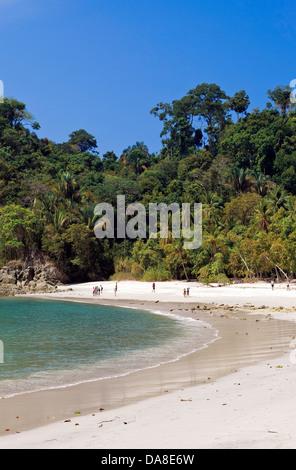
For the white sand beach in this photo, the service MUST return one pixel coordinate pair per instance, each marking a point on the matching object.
(238, 392)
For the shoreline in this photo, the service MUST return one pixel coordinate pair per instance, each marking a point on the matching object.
(178, 354)
(248, 337)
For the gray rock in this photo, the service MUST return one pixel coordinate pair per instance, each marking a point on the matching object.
(29, 276)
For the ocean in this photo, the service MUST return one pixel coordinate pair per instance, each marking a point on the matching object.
(50, 344)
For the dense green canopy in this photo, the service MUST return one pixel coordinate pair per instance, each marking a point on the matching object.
(240, 164)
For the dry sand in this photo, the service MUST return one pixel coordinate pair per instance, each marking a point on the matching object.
(236, 393)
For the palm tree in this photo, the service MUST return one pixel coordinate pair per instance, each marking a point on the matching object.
(176, 247)
(212, 207)
(291, 206)
(58, 219)
(67, 187)
(262, 214)
(137, 159)
(262, 183)
(277, 198)
(240, 179)
(135, 156)
(88, 216)
(46, 203)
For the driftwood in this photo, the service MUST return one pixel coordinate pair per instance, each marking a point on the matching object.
(277, 267)
(100, 424)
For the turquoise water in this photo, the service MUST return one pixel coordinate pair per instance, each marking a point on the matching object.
(50, 344)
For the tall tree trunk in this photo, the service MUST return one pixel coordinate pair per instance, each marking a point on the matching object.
(183, 264)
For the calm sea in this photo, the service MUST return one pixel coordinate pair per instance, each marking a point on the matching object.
(49, 344)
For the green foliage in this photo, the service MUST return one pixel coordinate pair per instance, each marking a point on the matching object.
(19, 232)
(243, 172)
(239, 103)
(281, 97)
(81, 141)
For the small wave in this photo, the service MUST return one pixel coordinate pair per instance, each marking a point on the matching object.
(191, 335)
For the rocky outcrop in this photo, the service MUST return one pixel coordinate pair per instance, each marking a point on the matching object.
(29, 277)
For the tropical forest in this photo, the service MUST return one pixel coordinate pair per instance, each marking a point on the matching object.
(240, 163)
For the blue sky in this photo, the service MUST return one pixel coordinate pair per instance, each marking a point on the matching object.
(102, 65)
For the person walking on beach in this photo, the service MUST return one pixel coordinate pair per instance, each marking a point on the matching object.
(187, 291)
(153, 287)
(115, 289)
(272, 284)
(184, 292)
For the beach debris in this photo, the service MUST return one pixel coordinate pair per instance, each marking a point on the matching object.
(127, 422)
(76, 424)
(7, 429)
(186, 399)
(77, 413)
(67, 421)
(101, 409)
(107, 421)
(278, 367)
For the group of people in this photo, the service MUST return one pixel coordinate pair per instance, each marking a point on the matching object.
(97, 290)
(186, 292)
